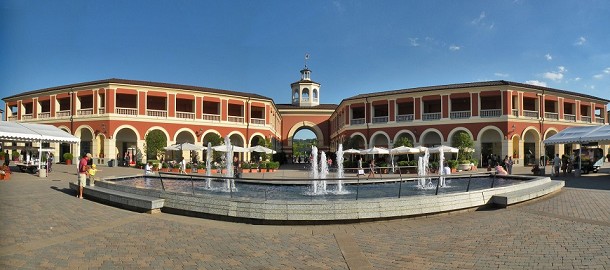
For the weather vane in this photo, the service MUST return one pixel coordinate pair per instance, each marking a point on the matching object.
(306, 58)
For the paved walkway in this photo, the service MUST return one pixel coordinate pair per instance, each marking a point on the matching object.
(43, 225)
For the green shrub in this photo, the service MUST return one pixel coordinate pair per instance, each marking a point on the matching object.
(67, 156)
(164, 165)
(452, 163)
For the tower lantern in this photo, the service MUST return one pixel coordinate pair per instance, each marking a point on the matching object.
(305, 92)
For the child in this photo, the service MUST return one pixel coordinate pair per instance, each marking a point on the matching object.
(92, 172)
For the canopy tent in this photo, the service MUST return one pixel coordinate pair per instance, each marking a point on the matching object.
(375, 151)
(29, 132)
(261, 149)
(581, 135)
(352, 151)
(404, 150)
(443, 149)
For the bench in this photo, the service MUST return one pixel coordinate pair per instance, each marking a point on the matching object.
(513, 197)
(125, 200)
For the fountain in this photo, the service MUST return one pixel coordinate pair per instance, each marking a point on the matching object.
(208, 167)
(441, 168)
(323, 172)
(340, 168)
(314, 168)
(422, 171)
(230, 181)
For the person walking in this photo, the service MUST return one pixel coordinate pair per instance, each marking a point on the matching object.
(83, 172)
(236, 167)
(372, 169)
(183, 166)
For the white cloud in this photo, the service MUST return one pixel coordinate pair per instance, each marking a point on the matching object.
(454, 48)
(548, 57)
(607, 70)
(598, 76)
(555, 75)
(503, 75)
(536, 82)
(414, 42)
(339, 7)
(581, 41)
(577, 79)
(480, 18)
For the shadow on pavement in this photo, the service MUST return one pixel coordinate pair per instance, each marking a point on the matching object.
(64, 190)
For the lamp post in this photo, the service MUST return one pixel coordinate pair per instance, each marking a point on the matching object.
(71, 116)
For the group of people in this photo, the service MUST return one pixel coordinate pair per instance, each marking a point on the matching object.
(86, 169)
(502, 166)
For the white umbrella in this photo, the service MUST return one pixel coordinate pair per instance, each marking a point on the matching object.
(261, 149)
(444, 149)
(421, 149)
(223, 148)
(184, 147)
(468, 150)
(375, 151)
(404, 150)
(352, 151)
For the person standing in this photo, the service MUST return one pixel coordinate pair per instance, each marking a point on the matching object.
(92, 171)
(7, 160)
(556, 165)
(50, 160)
(509, 165)
(360, 170)
(183, 166)
(236, 167)
(83, 169)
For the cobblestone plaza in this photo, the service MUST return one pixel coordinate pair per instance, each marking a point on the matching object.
(44, 226)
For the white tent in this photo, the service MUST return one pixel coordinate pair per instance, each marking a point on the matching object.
(404, 150)
(29, 132)
(444, 149)
(581, 135)
(223, 148)
(375, 151)
(184, 147)
(352, 151)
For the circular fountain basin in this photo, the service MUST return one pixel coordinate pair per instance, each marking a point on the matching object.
(260, 202)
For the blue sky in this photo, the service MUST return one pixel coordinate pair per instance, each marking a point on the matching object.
(258, 46)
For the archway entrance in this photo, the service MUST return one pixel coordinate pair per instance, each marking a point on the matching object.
(431, 139)
(491, 144)
(86, 141)
(302, 141)
(184, 137)
(530, 146)
(63, 148)
(126, 144)
(551, 149)
(257, 140)
(380, 140)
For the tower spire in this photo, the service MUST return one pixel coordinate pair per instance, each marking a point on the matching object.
(306, 58)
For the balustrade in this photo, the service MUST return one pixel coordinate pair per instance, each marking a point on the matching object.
(185, 115)
(210, 117)
(491, 113)
(530, 114)
(257, 121)
(43, 115)
(380, 119)
(431, 116)
(569, 117)
(235, 119)
(12, 118)
(156, 113)
(551, 115)
(459, 114)
(404, 118)
(126, 111)
(585, 119)
(101, 110)
(65, 113)
(599, 120)
(359, 121)
(88, 111)
(26, 116)
(515, 113)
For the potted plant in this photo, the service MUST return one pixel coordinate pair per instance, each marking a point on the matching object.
(246, 166)
(164, 167)
(68, 158)
(433, 166)
(2, 155)
(175, 167)
(453, 164)
(189, 167)
(475, 164)
(464, 165)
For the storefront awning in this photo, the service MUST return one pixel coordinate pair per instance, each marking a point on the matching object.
(581, 135)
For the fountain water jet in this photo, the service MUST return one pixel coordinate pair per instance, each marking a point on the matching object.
(422, 171)
(340, 168)
(208, 167)
(230, 181)
(314, 168)
(323, 172)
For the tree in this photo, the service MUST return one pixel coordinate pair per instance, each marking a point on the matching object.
(266, 142)
(155, 141)
(403, 141)
(462, 141)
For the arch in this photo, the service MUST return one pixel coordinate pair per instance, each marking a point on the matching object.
(255, 134)
(526, 130)
(65, 128)
(295, 95)
(548, 131)
(233, 136)
(490, 141)
(314, 93)
(121, 127)
(531, 145)
(483, 130)
(425, 136)
(305, 93)
(78, 131)
(182, 131)
(157, 128)
(376, 141)
(362, 137)
(86, 135)
(306, 124)
(405, 132)
(208, 132)
(455, 131)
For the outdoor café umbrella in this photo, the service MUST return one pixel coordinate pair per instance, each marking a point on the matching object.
(444, 149)
(375, 151)
(184, 147)
(224, 148)
(352, 151)
(404, 150)
(261, 149)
